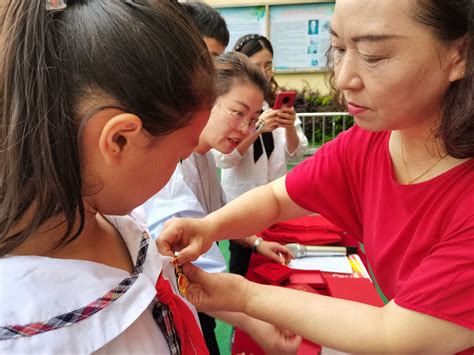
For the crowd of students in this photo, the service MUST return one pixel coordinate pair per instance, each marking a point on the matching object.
(114, 118)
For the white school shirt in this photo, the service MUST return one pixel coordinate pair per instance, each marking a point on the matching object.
(193, 191)
(240, 173)
(35, 288)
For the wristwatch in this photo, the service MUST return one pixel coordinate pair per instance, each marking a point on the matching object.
(256, 244)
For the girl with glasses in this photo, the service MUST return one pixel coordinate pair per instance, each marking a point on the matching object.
(194, 189)
(262, 156)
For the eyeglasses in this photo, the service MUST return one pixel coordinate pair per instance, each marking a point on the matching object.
(238, 120)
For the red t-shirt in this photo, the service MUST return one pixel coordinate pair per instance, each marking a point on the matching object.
(419, 238)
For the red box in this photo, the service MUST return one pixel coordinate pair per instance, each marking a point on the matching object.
(273, 273)
(313, 278)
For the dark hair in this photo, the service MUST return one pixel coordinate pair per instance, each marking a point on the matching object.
(251, 44)
(449, 20)
(208, 21)
(452, 20)
(232, 66)
(141, 57)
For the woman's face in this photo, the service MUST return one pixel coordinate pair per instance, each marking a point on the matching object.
(243, 103)
(392, 71)
(264, 60)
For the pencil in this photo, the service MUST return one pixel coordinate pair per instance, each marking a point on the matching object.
(354, 267)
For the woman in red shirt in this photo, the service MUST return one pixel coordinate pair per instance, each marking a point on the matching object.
(400, 182)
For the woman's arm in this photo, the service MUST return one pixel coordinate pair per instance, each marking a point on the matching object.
(269, 117)
(274, 251)
(251, 213)
(303, 142)
(247, 142)
(270, 338)
(296, 141)
(338, 324)
(255, 210)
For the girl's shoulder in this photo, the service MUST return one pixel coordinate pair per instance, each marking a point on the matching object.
(75, 306)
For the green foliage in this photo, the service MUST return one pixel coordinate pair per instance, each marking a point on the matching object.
(309, 100)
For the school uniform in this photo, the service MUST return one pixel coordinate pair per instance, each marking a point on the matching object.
(68, 306)
(193, 191)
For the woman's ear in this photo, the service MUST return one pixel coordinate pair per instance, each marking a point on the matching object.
(458, 60)
(119, 134)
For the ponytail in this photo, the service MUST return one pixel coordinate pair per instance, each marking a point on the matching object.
(39, 160)
(58, 66)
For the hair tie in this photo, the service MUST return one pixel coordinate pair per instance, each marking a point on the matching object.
(244, 40)
(52, 5)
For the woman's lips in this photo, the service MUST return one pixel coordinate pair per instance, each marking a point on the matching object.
(355, 109)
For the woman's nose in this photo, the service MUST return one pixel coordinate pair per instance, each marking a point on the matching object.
(244, 127)
(347, 74)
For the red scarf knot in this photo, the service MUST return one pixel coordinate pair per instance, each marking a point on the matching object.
(190, 334)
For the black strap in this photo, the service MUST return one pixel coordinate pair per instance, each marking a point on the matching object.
(267, 142)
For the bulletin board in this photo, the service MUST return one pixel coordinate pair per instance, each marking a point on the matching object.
(299, 32)
(244, 20)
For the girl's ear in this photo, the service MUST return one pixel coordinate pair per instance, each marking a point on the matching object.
(119, 135)
(458, 60)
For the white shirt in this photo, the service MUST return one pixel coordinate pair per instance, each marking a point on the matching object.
(35, 288)
(193, 191)
(240, 173)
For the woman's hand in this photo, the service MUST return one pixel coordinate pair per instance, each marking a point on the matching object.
(275, 251)
(286, 117)
(272, 339)
(216, 291)
(191, 237)
(270, 119)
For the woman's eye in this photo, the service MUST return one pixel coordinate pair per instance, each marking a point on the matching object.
(337, 53)
(372, 60)
(337, 50)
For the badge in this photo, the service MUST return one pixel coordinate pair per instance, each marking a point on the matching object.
(181, 279)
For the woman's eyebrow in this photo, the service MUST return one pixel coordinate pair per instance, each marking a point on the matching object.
(369, 37)
(242, 103)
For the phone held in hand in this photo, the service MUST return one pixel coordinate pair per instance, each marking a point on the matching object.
(284, 99)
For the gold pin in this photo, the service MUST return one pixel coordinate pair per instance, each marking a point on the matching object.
(181, 279)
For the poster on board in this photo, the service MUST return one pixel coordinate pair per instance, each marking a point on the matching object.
(300, 35)
(242, 21)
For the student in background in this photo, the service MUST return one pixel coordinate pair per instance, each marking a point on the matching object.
(262, 156)
(194, 189)
(210, 24)
(400, 181)
(89, 132)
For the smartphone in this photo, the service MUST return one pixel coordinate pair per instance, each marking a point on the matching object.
(285, 99)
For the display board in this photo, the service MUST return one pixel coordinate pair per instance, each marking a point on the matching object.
(299, 32)
(300, 35)
(244, 20)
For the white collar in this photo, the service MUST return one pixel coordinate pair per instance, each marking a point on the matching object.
(39, 288)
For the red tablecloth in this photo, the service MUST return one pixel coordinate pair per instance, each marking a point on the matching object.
(310, 230)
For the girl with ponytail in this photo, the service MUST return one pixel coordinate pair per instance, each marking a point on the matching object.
(94, 118)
